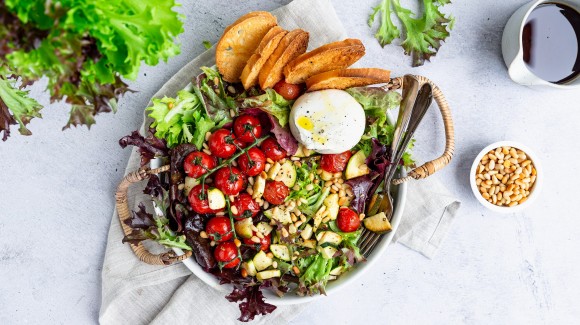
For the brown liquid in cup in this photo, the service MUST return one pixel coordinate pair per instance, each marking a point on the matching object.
(551, 42)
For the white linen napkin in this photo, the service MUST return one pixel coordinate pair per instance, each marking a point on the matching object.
(137, 293)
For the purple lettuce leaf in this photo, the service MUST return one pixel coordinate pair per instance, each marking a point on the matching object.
(254, 303)
(360, 187)
(193, 224)
(149, 147)
(283, 136)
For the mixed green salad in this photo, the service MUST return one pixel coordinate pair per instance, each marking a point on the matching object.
(257, 209)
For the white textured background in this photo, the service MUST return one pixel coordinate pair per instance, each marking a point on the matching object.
(56, 192)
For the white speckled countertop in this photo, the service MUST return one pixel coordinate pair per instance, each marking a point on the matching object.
(56, 192)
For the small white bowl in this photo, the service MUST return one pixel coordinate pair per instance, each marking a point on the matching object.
(534, 193)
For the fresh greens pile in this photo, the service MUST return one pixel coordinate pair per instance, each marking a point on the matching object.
(423, 35)
(189, 116)
(83, 48)
(272, 103)
(376, 102)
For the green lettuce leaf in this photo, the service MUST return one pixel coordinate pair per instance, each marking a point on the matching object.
(180, 120)
(272, 103)
(316, 274)
(23, 108)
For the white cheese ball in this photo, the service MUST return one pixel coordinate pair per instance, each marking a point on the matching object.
(327, 121)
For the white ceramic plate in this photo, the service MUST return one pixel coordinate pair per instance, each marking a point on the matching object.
(399, 200)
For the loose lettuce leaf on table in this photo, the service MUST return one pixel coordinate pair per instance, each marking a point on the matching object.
(83, 48)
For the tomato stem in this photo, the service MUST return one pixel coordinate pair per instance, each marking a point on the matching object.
(233, 228)
(234, 157)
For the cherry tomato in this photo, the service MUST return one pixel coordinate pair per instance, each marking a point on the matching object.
(347, 220)
(198, 200)
(221, 143)
(264, 242)
(245, 126)
(219, 229)
(229, 180)
(273, 150)
(198, 163)
(227, 253)
(240, 143)
(246, 207)
(253, 165)
(335, 163)
(276, 192)
(286, 90)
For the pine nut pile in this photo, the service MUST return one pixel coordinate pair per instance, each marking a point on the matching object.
(505, 176)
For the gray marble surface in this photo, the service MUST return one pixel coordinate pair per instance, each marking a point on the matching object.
(56, 192)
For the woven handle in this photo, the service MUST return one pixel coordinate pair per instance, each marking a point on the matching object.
(166, 258)
(431, 167)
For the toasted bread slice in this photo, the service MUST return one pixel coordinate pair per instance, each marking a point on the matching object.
(239, 42)
(332, 56)
(246, 16)
(346, 78)
(291, 46)
(267, 46)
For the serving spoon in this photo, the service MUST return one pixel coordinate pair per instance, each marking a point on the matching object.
(408, 120)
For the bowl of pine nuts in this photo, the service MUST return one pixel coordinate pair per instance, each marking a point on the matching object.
(506, 177)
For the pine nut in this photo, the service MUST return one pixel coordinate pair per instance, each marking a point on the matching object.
(296, 270)
(237, 242)
(203, 234)
(255, 239)
(207, 135)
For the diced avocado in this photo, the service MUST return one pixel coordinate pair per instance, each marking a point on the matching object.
(328, 237)
(216, 199)
(356, 166)
(249, 267)
(261, 261)
(264, 275)
(287, 174)
(280, 251)
(264, 228)
(332, 206)
(309, 243)
(327, 252)
(259, 186)
(244, 228)
(306, 232)
(279, 213)
(274, 170)
(303, 151)
(378, 223)
(190, 183)
(326, 176)
(336, 271)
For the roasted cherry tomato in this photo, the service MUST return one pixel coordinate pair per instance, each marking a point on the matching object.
(246, 207)
(245, 126)
(273, 150)
(286, 90)
(219, 229)
(253, 162)
(229, 180)
(198, 163)
(347, 220)
(227, 254)
(264, 242)
(335, 163)
(199, 201)
(221, 143)
(276, 192)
